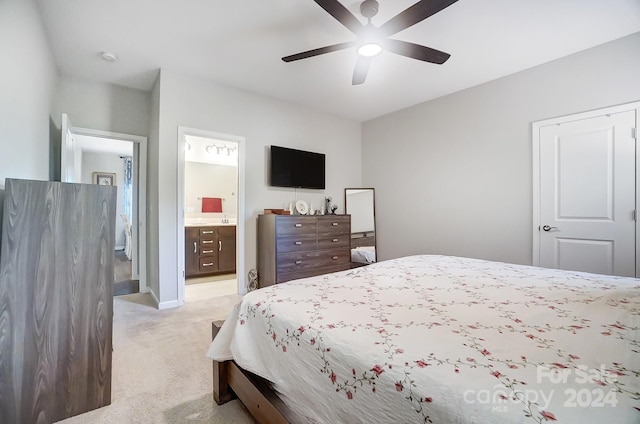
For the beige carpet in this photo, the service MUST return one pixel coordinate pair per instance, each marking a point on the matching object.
(160, 372)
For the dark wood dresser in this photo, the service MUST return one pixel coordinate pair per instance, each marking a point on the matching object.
(294, 246)
(210, 249)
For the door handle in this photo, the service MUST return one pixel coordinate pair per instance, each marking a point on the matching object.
(195, 247)
(219, 246)
(548, 228)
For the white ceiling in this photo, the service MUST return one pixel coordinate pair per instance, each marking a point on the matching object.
(240, 42)
(104, 145)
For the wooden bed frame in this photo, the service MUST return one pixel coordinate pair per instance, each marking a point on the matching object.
(231, 382)
(362, 239)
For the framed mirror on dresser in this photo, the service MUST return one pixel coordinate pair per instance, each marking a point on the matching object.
(360, 204)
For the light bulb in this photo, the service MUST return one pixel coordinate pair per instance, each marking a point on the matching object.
(370, 49)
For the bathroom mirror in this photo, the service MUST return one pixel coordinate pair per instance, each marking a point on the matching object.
(360, 204)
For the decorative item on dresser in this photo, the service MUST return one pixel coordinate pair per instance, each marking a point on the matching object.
(210, 249)
(291, 247)
(56, 300)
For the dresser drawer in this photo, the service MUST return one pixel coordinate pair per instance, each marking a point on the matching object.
(293, 262)
(207, 264)
(284, 277)
(332, 241)
(296, 225)
(208, 244)
(334, 257)
(296, 243)
(207, 232)
(208, 250)
(339, 224)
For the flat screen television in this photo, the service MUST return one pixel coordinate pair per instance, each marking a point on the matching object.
(296, 168)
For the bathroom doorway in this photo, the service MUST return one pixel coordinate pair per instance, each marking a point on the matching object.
(209, 199)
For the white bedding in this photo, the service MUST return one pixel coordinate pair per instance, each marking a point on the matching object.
(445, 340)
(363, 254)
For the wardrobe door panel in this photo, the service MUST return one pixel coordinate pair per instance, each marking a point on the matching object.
(56, 300)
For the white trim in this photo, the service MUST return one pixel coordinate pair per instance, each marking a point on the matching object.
(141, 260)
(535, 136)
(154, 298)
(163, 305)
(240, 221)
(168, 305)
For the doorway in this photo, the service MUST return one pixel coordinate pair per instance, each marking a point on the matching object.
(210, 214)
(585, 196)
(94, 156)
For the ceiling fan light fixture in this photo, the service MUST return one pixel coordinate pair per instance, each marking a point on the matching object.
(369, 49)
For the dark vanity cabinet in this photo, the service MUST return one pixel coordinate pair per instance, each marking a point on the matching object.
(226, 249)
(191, 256)
(210, 249)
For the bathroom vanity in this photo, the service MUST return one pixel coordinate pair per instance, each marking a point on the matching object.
(209, 249)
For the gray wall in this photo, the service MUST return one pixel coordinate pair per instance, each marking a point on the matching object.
(100, 106)
(153, 190)
(112, 163)
(27, 82)
(454, 175)
(210, 180)
(263, 121)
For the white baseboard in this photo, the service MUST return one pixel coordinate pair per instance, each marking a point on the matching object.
(168, 305)
(162, 305)
(155, 298)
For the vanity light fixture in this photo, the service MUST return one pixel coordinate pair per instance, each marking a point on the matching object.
(221, 150)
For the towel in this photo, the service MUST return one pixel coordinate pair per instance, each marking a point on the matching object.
(211, 204)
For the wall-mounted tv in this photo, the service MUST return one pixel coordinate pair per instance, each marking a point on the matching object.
(296, 168)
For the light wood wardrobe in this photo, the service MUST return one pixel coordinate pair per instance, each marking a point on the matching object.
(56, 301)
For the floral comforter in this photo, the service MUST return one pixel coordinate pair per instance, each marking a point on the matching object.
(445, 340)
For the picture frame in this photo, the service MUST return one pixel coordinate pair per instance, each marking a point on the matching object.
(104, 178)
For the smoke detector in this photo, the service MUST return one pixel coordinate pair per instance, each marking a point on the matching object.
(109, 56)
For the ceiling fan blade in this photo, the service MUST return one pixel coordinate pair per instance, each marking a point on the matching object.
(361, 70)
(341, 14)
(412, 15)
(416, 51)
(318, 51)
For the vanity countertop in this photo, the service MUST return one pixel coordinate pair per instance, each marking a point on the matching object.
(210, 224)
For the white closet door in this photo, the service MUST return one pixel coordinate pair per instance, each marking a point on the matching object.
(587, 195)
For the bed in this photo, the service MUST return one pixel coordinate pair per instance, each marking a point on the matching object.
(363, 254)
(436, 339)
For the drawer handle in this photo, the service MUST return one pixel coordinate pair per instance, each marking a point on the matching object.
(298, 262)
(207, 232)
(334, 240)
(335, 224)
(207, 251)
(207, 241)
(298, 225)
(298, 243)
(334, 258)
(210, 264)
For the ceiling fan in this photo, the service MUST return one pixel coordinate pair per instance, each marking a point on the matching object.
(372, 40)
